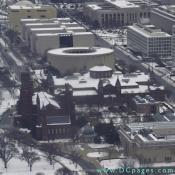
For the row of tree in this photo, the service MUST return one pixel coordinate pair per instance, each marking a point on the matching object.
(12, 140)
(9, 150)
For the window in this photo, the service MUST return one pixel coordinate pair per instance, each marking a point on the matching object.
(15, 11)
(28, 16)
(66, 40)
(167, 159)
(60, 131)
(52, 131)
(42, 16)
(42, 10)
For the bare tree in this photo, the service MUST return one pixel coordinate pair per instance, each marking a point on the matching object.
(75, 154)
(111, 150)
(63, 171)
(128, 163)
(51, 150)
(7, 149)
(30, 157)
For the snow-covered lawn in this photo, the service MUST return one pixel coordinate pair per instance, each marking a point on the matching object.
(117, 163)
(70, 165)
(57, 141)
(97, 154)
(79, 147)
(18, 167)
(98, 146)
(162, 164)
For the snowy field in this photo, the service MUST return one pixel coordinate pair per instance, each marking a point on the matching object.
(98, 146)
(118, 163)
(97, 154)
(18, 167)
(113, 37)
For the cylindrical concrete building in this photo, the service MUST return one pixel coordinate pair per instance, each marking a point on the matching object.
(76, 59)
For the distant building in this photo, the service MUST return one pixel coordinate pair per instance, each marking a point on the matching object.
(43, 35)
(79, 59)
(100, 86)
(86, 134)
(51, 120)
(145, 105)
(173, 43)
(116, 13)
(149, 142)
(25, 23)
(41, 113)
(148, 41)
(44, 43)
(26, 9)
(163, 2)
(163, 17)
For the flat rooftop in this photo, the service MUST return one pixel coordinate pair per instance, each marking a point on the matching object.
(17, 7)
(129, 83)
(101, 6)
(151, 125)
(144, 100)
(151, 133)
(49, 23)
(47, 28)
(148, 31)
(69, 32)
(122, 4)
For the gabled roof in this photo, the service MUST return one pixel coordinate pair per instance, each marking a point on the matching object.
(45, 99)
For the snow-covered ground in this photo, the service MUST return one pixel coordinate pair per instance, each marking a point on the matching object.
(7, 99)
(117, 163)
(162, 164)
(117, 36)
(98, 146)
(97, 154)
(70, 165)
(18, 167)
(57, 141)
(79, 147)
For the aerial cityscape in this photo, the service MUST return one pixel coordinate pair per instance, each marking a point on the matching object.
(87, 87)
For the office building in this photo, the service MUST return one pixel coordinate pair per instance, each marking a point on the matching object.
(148, 41)
(163, 17)
(116, 13)
(26, 9)
(149, 142)
(77, 59)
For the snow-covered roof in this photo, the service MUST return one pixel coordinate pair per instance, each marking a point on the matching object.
(122, 4)
(58, 120)
(149, 31)
(39, 75)
(131, 83)
(84, 92)
(45, 99)
(152, 133)
(24, 3)
(100, 68)
(29, 5)
(81, 51)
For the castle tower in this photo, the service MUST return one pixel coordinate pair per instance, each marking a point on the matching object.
(100, 92)
(69, 106)
(25, 101)
(118, 90)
